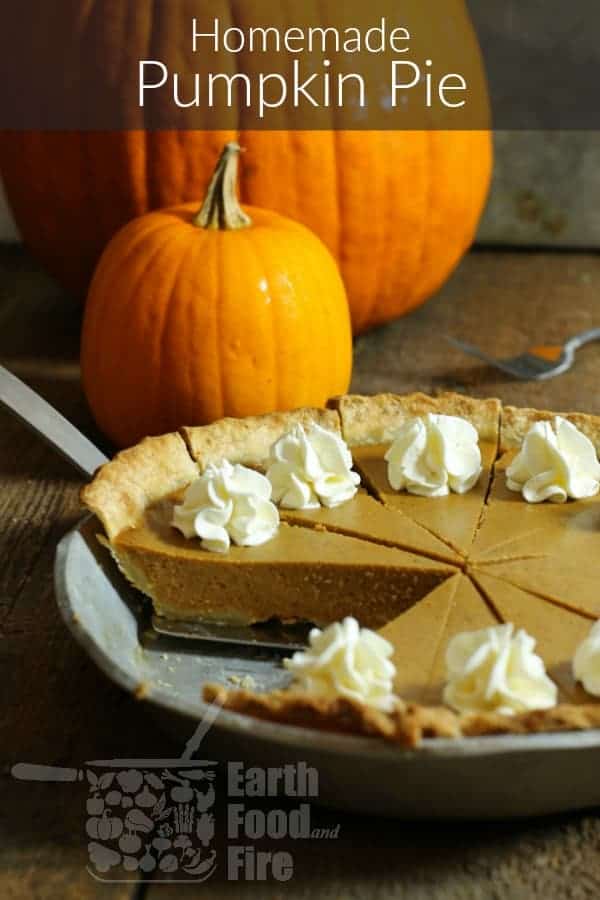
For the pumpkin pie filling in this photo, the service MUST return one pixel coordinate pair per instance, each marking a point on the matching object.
(558, 631)
(420, 636)
(512, 528)
(365, 516)
(369, 425)
(547, 549)
(301, 574)
(390, 559)
(453, 519)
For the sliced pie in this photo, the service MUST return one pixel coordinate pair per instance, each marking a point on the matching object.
(366, 517)
(317, 567)
(572, 582)
(369, 425)
(513, 528)
(557, 631)
(249, 441)
(420, 569)
(421, 635)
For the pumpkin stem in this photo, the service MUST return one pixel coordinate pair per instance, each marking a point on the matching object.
(222, 209)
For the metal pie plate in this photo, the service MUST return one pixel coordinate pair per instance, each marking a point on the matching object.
(487, 777)
(271, 635)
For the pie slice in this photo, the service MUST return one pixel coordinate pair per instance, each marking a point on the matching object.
(364, 517)
(557, 631)
(369, 425)
(569, 582)
(301, 574)
(513, 529)
(420, 637)
(249, 441)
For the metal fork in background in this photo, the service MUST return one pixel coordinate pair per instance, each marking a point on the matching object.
(538, 363)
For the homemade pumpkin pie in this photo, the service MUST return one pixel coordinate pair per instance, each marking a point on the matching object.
(422, 569)
(357, 559)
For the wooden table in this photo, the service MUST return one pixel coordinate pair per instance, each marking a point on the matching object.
(58, 709)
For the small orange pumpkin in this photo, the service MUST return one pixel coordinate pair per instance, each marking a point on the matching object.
(195, 316)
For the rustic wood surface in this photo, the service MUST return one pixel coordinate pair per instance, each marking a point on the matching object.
(58, 709)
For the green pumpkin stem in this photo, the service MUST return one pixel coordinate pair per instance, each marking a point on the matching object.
(221, 209)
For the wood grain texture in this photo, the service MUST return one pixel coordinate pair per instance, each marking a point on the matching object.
(56, 708)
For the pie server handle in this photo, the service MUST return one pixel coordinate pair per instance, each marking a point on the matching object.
(46, 421)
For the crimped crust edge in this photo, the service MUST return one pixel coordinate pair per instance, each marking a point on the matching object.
(406, 726)
(516, 421)
(375, 419)
(250, 439)
(136, 478)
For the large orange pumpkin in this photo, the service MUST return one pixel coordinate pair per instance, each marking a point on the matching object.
(397, 209)
(195, 316)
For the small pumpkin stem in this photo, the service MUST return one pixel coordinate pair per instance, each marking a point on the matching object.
(221, 209)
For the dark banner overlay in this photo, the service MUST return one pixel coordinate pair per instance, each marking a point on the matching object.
(299, 64)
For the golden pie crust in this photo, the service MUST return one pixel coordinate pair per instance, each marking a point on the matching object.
(406, 726)
(249, 440)
(376, 419)
(465, 561)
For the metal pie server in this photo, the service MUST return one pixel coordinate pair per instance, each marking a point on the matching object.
(46, 421)
(49, 424)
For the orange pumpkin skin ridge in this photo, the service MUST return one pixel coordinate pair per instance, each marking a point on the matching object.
(397, 209)
(185, 325)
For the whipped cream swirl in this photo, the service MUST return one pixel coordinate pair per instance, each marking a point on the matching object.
(228, 503)
(496, 670)
(311, 468)
(348, 661)
(433, 455)
(556, 461)
(586, 662)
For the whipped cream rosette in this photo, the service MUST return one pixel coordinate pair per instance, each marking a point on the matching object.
(434, 455)
(348, 661)
(496, 670)
(557, 462)
(311, 468)
(228, 503)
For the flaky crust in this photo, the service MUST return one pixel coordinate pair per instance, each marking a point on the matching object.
(566, 717)
(159, 466)
(142, 475)
(249, 440)
(376, 419)
(516, 422)
(136, 478)
(406, 726)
